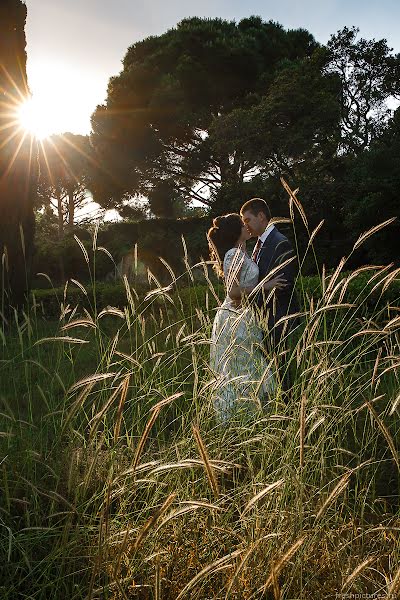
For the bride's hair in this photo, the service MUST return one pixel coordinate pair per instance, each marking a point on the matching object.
(223, 236)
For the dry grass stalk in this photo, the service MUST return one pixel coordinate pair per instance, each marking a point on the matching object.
(102, 249)
(314, 233)
(206, 460)
(395, 404)
(393, 367)
(264, 492)
(61, 338)
(371, 231)
(358, 570)
(339, 487)
(329, 292)
(353, 275)
(168, 267)
(385, 433)
(279, 564)
(190, 463)
(157, 583)
(79, 285)
(275, 585)
(130, 359)
(302, 428)
(392, 324)
(91, 379)
(95, 235)
(145, 434)
(79, 323)
(218, 565)
(82, 247)
(293, 196)
(153, 520)
(373, 378)
(209, 282)
(389, 278)
(97, 561)
(122, 550)
(128, 291)
(165, 401)
(111, 310)
(186, 259)
(79, 402)
(98, 416)
(124, 392)
(245, 558)
(394, 586)
(187, 508)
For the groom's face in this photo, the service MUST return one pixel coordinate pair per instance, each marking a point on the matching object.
(255, 224)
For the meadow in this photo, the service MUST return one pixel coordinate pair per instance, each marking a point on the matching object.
(118, 483)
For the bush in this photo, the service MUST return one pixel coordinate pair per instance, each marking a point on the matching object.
(360, 290)
(105, 294)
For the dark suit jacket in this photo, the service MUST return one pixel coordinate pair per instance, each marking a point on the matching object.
(275, 251)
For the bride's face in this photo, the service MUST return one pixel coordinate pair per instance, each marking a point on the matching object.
(245, 235)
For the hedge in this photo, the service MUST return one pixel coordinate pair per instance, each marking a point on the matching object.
(110, 294)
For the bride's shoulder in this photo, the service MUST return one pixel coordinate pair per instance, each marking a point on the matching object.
(234, 253)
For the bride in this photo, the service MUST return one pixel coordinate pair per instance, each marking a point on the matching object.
(244, 380)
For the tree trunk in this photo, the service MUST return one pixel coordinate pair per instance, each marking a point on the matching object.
(18, 162)
(71, 209)
(60, 236)
(60, 216)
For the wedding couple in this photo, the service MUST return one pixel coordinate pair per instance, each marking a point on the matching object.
(250, 324)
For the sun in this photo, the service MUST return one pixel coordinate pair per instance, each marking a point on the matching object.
(37, 118)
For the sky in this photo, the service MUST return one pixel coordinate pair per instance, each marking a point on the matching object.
(75, 46)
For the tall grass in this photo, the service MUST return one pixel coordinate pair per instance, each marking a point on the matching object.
(117, 482)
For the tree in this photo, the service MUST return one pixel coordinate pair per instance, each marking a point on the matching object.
(292, 130)
(65, 163)
(154, 129)
(373, 180)
(18, 168)
(369, 75)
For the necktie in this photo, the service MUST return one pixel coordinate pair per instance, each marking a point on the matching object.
(256, 250)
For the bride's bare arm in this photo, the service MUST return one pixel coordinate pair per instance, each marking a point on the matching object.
(236, 292)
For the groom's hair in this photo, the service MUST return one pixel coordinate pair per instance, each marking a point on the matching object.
(255, 206)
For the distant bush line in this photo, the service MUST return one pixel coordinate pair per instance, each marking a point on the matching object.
(359, 290)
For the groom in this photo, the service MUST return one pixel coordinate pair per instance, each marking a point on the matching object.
(272, 249)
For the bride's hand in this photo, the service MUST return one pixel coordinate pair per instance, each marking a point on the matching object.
(277, 282)
(236, 302)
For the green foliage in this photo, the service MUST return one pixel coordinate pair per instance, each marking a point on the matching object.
(61, 259)
(360, 290)
(373, 180)
(156, 127)
(50, 301)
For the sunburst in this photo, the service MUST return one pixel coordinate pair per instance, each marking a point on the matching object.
(35, 118)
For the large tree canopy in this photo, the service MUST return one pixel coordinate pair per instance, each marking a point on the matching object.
(157, 124)
(17, 158)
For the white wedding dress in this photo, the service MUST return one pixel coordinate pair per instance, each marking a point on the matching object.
(244, 381)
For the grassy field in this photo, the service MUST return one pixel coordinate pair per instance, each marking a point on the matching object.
(117, 482)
